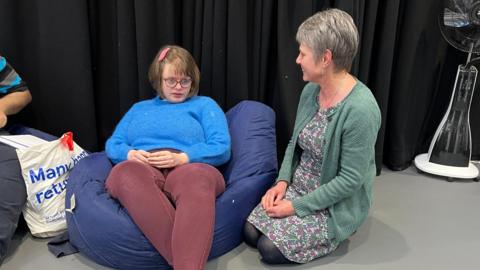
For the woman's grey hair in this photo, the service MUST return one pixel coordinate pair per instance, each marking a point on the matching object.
(331, 29)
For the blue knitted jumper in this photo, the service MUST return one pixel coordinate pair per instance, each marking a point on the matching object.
(197, 127)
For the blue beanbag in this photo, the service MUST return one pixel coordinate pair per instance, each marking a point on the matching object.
(18, 129)
(103, 231)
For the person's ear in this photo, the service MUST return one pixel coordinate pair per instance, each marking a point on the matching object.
(327, 58)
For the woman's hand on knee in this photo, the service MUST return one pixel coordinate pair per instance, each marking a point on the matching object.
(167, 159)
(281, 209)
(138, 155)
(274, 194)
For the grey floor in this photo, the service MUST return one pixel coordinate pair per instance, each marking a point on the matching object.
(417, 222)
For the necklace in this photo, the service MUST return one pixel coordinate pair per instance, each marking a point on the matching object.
(343, 82)
(325, 104)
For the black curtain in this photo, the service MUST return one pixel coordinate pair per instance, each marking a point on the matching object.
(86, 61)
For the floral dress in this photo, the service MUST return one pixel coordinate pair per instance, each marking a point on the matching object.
(302, 239)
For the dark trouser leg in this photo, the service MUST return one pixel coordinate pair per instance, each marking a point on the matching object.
(193, 189)
(138, 187)
(270, 253)
(251, 234)
(12, 196)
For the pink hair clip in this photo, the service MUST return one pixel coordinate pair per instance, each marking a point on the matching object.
(163, 54)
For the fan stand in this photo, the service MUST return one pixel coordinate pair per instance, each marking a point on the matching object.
(450, 150)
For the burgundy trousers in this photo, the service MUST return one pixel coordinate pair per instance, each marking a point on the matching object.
(174, 208)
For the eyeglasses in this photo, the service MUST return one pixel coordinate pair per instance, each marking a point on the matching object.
(172, 83)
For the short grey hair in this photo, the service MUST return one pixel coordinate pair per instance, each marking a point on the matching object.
(331, 29)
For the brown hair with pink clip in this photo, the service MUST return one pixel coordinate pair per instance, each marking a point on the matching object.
(183, 63)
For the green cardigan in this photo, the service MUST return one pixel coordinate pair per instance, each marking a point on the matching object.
(348, 167)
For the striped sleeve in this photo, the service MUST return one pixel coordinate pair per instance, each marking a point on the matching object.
(10, 81)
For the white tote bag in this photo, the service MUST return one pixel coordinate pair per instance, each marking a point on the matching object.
(45, 169)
